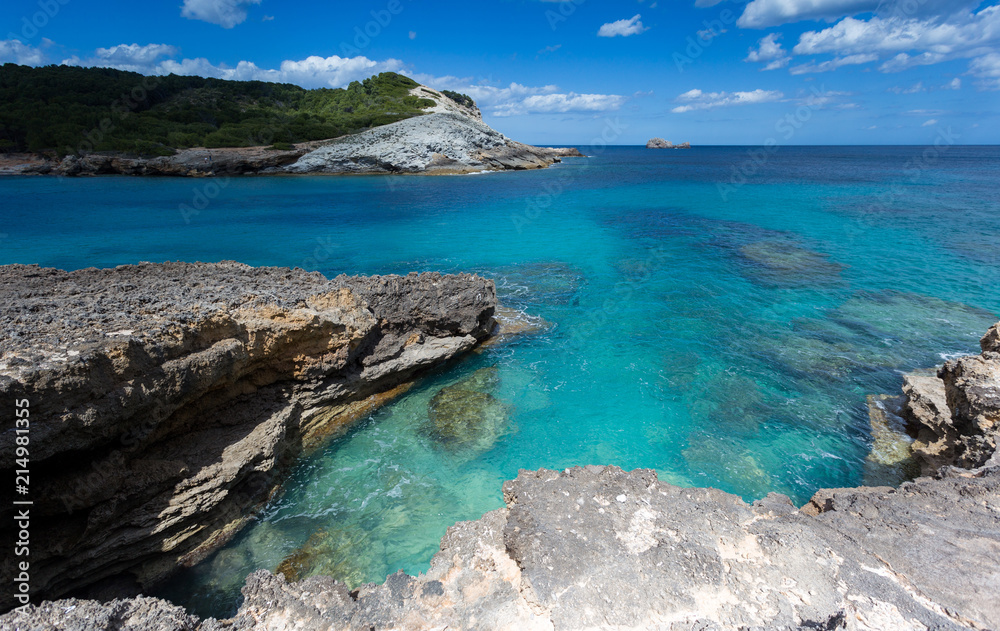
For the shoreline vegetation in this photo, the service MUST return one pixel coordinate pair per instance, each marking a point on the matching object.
(70, 121)
(289, 359)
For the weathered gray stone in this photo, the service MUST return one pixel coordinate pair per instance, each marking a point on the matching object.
(167, 401)
(955, 414)
(435, 143)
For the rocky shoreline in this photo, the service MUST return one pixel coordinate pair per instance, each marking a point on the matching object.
(584, 548)
(168, 401)
(449, 139)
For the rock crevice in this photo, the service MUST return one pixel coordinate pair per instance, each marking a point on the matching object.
(167, 401)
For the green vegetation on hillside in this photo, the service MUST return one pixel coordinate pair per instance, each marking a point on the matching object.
(67, 109)
(458, 97)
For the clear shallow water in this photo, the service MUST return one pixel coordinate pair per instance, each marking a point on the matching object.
(723, 341)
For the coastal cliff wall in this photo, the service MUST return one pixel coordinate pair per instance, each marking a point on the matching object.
(598, 547)
(167, 401)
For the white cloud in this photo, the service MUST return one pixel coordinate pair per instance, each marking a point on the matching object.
(624, 28)
(16, 52)
(131, 57)
(560, 103)
(987, 70)
(769, 13)
(698, 100)
(766, 13)
(225, 13)
(818, 98)
(929, 123)
(516, 99)
(769, 50)
(833, 64)
(931, 41)
(311, 72)
(954, 84)
(913, 89)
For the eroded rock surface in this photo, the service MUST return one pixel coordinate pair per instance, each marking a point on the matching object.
(597, 547)
(955, 413)
(443, 142)
(167, 401)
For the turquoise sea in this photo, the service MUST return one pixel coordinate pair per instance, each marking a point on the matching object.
(716, 314)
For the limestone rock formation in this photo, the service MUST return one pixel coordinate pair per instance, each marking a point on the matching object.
(597, 547)
(660, 143)
(167, 401)
(955, 413)
(444, 142)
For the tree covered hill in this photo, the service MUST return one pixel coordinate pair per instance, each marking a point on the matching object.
(67, 109)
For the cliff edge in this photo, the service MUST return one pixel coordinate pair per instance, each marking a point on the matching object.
(167, 401)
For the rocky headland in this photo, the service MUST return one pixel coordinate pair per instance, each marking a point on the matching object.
(450, 138)
(583, 548)
(437, 143)
(167, 401)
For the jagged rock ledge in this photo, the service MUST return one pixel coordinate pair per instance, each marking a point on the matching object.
(168, 400)
(597, 547)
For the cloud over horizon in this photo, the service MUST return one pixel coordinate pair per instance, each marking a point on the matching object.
(698, 100)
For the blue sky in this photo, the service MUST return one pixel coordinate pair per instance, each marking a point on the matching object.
(572, 71)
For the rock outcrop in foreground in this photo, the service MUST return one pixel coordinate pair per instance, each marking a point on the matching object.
(600, 548)
(168, 401)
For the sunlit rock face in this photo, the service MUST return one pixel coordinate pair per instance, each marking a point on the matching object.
(168, 401)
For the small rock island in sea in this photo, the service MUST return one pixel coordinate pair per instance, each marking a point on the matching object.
(660, 143)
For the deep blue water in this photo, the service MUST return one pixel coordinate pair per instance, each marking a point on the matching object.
(723, 335)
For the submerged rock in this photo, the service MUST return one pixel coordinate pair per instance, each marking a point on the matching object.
(513, 324)
(347, 554)
(466, 417)
(890, 461)
(543, 282)
(782, 263)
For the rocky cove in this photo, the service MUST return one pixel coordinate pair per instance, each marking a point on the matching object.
(168, 407)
